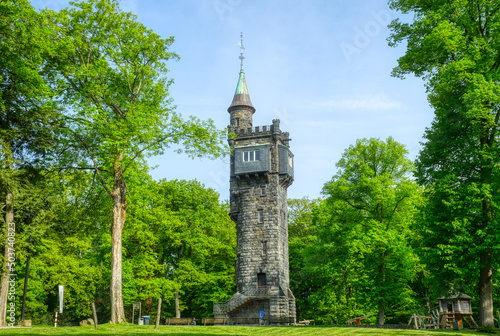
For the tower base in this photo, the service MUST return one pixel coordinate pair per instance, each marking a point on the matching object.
(250, 310)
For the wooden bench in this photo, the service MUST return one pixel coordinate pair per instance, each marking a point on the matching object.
(305, 322)
(357, 319)
(214, 320)
(180, 321)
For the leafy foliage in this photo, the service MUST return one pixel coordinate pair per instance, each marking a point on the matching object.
(362, 260)
(454, 46)
(301, 235)
(198, 243)
(110, 73)
(25, 138)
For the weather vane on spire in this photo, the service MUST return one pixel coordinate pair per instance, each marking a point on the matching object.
(242, 50)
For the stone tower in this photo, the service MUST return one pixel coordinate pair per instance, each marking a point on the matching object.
(261, 172)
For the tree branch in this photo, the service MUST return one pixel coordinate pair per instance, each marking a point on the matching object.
(96, 167)
(394, 211)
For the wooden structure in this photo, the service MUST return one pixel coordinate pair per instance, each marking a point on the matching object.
(180, 321)
(424, 322)
(214, 321)
(357, 319)
(454, 310)
(305, 322)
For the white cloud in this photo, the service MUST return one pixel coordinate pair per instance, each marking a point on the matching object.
(329, 124)
(359, 103)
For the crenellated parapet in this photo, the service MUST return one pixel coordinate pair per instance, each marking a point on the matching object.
(260, 131)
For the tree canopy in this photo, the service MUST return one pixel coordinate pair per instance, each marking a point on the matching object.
(24, 112)
(454, 46)
(361, 258)
(111, 74)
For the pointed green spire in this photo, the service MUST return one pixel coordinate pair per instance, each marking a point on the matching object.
(241, 96)
(241, 88)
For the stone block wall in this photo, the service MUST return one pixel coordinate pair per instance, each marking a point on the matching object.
(258, 202)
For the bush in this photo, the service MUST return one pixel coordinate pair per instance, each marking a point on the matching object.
(488, 329)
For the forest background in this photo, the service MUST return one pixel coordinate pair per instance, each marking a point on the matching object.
(84, 103)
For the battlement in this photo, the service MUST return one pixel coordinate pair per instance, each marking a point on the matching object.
(257, 130)
(260, 130)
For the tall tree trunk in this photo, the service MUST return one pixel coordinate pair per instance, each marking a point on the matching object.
(486, 291)
(485, 270)
(381, 305)
(427, 301)
(119, 214)
(381, 314)
(4, 284)
(4, 273)
(177, 307)
(158, 315)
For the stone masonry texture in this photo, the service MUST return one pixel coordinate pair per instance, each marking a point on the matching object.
(258, 206)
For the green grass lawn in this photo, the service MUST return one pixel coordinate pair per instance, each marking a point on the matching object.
(108, 329)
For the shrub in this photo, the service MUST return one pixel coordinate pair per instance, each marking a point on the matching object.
(488, 329)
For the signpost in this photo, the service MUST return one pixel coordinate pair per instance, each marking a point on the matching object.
(61, 298)
(136, 306)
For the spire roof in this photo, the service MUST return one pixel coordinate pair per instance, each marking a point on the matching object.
(241, 88)
(241, 96)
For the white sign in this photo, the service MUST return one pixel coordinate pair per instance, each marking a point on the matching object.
(61, 296)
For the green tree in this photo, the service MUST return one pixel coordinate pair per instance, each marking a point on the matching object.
(110, 70)
(33, 213)
(24, 136)
(372, 202)
(68, 223)
(197, 244)
(300, 213)
(144, 269)
(454, 46)
(301, 235)
(333, 266)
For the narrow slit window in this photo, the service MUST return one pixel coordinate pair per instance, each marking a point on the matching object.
(264, 248)
(260, 216)
(290, 160)
(263, 191)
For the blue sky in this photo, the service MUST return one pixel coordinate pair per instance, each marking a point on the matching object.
(322, 67)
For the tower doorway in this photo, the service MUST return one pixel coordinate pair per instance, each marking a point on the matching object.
(261, 280)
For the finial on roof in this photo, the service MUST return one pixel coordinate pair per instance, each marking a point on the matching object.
(242, 50)
(241, 96)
